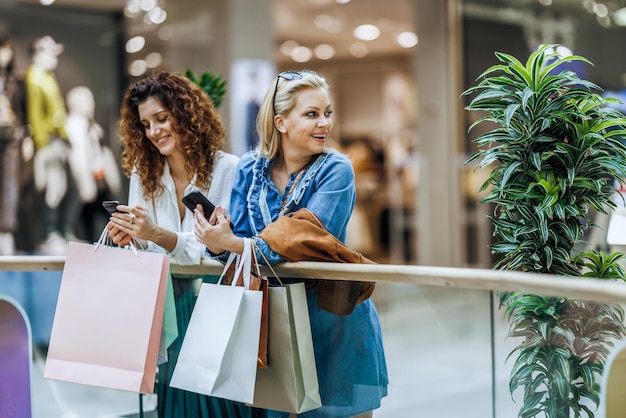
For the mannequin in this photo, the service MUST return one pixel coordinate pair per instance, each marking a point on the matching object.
(93, 165)
(11, 133)
(46, 115)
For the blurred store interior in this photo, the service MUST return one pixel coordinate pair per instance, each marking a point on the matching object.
(397, 69)
(417, 200)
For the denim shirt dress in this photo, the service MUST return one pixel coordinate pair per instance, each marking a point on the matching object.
(348, 349)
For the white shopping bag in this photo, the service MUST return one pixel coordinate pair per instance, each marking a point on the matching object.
(218, 356)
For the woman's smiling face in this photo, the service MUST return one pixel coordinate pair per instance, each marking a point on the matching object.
(158, 128)
(307, 126)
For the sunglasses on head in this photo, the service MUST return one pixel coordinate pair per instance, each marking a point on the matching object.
(287, 75)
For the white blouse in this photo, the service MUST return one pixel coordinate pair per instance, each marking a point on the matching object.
(163, 210)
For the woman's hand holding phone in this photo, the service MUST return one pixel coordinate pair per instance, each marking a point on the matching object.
(126, 222)
(215, 232)
(195, 198)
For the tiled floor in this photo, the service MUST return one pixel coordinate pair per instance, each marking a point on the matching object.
(438, 349)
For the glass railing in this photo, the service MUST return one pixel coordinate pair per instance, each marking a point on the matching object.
(446, 339)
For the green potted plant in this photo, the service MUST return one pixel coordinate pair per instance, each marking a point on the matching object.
(554, 148)
(212, 84)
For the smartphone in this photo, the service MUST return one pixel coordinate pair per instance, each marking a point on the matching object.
(111, 205)
(194, 198)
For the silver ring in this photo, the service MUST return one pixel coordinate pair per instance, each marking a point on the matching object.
(132, 218)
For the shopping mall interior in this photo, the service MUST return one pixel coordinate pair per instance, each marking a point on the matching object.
(397, 70)
(412, 180)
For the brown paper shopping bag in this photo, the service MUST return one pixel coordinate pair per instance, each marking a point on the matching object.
(108, 319)
(289, 383)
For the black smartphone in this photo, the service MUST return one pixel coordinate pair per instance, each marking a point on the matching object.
(111, 206)
(194, 198)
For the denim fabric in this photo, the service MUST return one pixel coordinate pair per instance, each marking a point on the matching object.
(349, 353)
(326, 189)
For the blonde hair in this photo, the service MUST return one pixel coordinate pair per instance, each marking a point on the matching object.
(280, 100)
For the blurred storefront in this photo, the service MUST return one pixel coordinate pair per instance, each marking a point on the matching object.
(399, 114)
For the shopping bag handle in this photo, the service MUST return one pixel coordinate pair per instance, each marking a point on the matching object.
(232, 257)
(243, 264)
(105, 241)
(244, 261)
(258, 269)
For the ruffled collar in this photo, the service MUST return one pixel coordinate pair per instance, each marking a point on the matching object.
(258, 205)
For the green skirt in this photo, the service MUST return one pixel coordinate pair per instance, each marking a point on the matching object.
(178, 403)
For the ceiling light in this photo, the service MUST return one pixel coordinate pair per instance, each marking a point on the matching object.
(342, 1)
(301, 54)
(46, 2)
(335, 26)
(324, 51)
(366, 32)
(620, 17)
(323, 21)
(132, 9)
(407, 39)
(137, 68)
(600, 10)
(328, 23)
(561, 50)
(135, 44)
(358, 49)
(287, 47)
(564, 51)
(153, 60)
(150, 11)
(546, 2)
(147, 5)
(157, 15)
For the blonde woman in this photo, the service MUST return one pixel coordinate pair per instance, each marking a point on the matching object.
(292, 169)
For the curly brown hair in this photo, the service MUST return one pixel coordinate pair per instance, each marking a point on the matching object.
(193, 118)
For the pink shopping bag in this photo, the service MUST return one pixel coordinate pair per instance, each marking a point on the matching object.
(109, 316)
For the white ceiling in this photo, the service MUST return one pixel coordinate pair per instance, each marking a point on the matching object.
(295, 19)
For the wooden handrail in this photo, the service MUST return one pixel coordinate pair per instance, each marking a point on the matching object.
(462, 278)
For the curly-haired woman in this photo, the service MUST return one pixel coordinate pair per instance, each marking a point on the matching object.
(172, 138)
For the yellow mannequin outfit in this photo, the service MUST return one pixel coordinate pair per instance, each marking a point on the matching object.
(44, 106)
